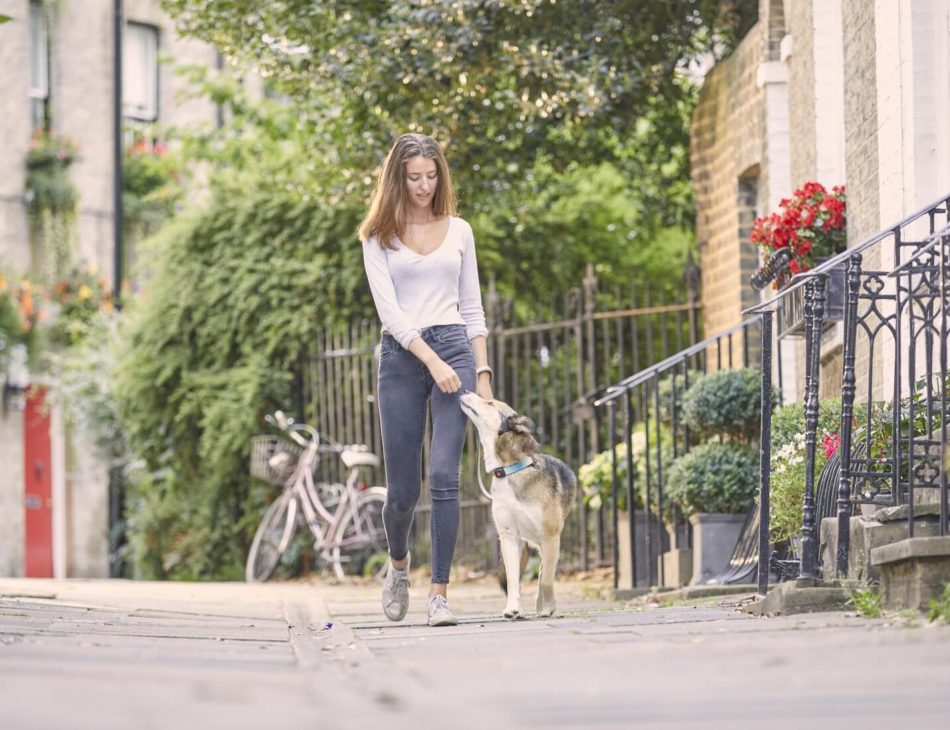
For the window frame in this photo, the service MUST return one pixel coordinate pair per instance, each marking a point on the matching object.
(152, 111)
(39, 95)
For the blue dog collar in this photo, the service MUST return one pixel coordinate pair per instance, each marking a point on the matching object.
(503, 471)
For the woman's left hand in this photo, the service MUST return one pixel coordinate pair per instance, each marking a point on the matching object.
(483, 388)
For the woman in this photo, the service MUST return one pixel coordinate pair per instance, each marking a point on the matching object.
(420, 262)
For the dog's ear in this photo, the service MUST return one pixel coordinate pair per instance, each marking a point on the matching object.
(504, 409)
(521, 424)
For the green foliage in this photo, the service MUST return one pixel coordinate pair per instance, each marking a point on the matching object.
(52, 200)
(19, 317)
(151, 186)
(726, 402)
(11, 326)
(504, 83)
(239, 293)
(715, 477)
(867, 602)
(477, 68)
(80, 378)
(79, 299)
(939, 608)
(552, 223)
(787, 484)
(535, 239)
(670, 385)
(48, 185)
(596, 476)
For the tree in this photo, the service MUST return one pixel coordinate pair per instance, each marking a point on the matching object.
(499, 81)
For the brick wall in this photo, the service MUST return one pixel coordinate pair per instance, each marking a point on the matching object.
(11, 494)
(726, 145)
(801, 92)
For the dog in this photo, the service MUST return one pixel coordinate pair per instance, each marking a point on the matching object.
(532, 495)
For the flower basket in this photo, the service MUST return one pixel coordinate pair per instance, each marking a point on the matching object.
(810, 227)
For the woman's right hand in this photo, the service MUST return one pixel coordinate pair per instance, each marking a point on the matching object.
(444, 376)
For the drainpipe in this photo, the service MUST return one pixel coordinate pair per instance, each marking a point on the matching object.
(116, 506)
(117, 155)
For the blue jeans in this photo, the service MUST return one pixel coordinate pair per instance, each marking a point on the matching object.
(405, 387)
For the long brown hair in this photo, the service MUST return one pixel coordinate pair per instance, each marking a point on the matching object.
(388, 211)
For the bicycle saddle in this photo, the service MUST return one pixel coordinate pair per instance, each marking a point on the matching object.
(352, 457)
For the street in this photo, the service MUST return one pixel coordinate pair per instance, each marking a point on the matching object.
(120, 654)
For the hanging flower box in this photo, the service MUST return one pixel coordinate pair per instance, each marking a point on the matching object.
(810, 228)
(791, 309)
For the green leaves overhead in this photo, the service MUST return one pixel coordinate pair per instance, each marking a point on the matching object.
(496, 80)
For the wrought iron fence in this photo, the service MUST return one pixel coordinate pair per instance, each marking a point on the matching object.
(550, 363)
(892, 294)
(651, 402)
(892, 318)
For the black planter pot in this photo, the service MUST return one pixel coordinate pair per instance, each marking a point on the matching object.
(791, 309)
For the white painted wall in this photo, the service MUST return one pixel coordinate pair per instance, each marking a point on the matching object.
(829, 92)
(914, 121)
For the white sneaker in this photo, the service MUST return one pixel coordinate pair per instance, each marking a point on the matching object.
(396, 592)
(439, 613)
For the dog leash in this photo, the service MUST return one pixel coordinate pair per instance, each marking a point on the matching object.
(481, 484)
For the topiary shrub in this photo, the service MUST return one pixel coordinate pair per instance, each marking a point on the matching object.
(715, 477)
(726, 402)
(666, 385)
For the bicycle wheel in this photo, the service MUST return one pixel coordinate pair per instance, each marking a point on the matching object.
(272, 538)
(356, 540)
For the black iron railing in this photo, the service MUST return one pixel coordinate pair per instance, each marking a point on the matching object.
(650, 401)
(892, 315)
(549, 362)
(891, 293)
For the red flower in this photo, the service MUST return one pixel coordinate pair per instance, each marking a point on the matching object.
(811, 223)
(831, 442)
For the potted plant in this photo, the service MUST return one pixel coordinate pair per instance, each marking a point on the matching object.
(596, 481)
(810, 227)
(715, 483)
(51, 200)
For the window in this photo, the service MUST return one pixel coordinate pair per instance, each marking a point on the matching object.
(39, 68)
(140, 72)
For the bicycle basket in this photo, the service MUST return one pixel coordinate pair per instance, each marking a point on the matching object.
(273, 459)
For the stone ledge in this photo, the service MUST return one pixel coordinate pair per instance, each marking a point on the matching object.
(686, 593)
(901, 512)
(914, 547)
(805, 595)
(913, 571)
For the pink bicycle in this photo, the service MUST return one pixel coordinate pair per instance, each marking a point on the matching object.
(346, 520)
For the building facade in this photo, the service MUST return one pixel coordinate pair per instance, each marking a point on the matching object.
(842, 92)
(57, 69)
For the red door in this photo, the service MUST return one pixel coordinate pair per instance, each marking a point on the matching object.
(37, 487)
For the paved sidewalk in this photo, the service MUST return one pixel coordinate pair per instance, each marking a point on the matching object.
(120, 654)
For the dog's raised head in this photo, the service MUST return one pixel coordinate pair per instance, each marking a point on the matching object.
(504, 432)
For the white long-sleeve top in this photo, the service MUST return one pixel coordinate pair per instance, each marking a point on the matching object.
(412, 291)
